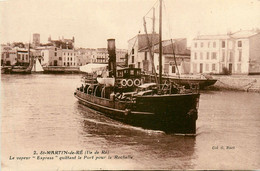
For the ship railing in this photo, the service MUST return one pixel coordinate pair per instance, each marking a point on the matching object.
(174, 88)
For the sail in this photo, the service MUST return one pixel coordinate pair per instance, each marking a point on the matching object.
(37, 67)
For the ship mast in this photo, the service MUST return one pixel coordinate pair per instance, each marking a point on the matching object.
(160, 44)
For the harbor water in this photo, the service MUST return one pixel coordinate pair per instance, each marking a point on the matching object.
(39, 113)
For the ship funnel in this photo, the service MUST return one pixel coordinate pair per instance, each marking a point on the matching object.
(111, 48)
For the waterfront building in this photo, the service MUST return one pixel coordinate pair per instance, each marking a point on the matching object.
(84, 56)
(22, 56)
(101, 55)
(52, 56)
(137, 43)
(169, 65)
(234, 53)
(8, 55)
(68, 57)
(121, 56)
(246, 52)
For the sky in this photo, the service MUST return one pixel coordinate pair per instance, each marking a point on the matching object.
(92, 22)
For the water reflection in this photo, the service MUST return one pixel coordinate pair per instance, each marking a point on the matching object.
(149, 144)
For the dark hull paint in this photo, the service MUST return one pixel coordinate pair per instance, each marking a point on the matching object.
(202, 82)
(170, 114)
(184, 81)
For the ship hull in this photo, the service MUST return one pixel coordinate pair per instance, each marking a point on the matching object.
(201, 82)
(171, 114)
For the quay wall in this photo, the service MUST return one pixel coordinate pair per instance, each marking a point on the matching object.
(59, 69)
(238, 82)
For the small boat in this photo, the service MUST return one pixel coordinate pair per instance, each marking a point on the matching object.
(201, 80)
(22, 69)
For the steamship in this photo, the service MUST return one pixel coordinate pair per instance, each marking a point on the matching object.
(122, 95)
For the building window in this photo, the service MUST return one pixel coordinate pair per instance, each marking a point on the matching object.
(201, 55)
(207, 67)
(195, 44)
(68, 58)
(239, 56)
(68, 54)
(239, 43)
(64, 63)
(145, 55)
(19, 56)
(71, 59)
(214, 44)
(133, 51)
(22, 56)
(223, 44)
(213, 67)
(207, 55)
(201, 44)
(139, 64)
(68, 64)
(60, 58)
(223, 56)
(55, 54)
(133, 59)
(173, 69)
(214, 55)
(64, 53)
(195, 55)
(55, 49)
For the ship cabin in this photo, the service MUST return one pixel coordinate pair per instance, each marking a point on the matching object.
(128, 79)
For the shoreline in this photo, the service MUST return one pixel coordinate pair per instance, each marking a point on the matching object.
(247, 83)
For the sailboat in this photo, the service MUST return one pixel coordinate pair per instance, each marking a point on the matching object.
(155, 106)
(37, 67)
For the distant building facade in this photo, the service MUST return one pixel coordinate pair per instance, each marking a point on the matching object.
(52, 56)
(235, 53)
(121, 56)
(8, 55)
(69, 57)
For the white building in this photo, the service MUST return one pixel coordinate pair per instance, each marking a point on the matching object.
(52, 56)
(68, 57)
(225, 53)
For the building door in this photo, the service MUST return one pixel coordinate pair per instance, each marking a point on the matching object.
(230, 68)
(55, 62)
(201, 68)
